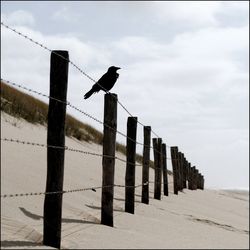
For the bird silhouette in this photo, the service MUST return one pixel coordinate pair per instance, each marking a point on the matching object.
(105, 83)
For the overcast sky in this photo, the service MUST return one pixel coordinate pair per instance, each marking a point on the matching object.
(184, 70)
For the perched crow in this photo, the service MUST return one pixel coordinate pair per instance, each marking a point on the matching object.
(105, 83)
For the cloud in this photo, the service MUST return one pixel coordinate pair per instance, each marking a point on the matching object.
(194, 69)
(190, 14)
(64, 14)
(19, 17)
(195, 79)
(203, 59)
(233, 13)
(192, 89)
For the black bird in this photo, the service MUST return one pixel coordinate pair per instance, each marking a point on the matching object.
(105, 83)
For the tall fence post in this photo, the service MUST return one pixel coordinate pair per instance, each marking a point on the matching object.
(195, 178)
(157, 145)
(55, 156)
(190, 176)
(108, 160)
(165, 169)
(180, 170)
(202, 182)
(130, 167)
(199, 181)
(145, 165)
(174, 153)
(184, 172)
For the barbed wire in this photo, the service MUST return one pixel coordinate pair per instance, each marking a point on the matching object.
(76, 190)
(77, 109)
(73, 190)
(77, 67)
(70, 191)
(70, 105)
(46, 48)
(64, 148)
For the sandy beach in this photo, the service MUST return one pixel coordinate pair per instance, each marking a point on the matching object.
(209, 219)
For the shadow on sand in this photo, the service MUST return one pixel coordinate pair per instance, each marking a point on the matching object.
(65, 220)
(19, 243)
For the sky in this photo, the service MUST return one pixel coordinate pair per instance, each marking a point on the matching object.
(184, 70)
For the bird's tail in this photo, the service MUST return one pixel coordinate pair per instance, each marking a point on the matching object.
(88, 94)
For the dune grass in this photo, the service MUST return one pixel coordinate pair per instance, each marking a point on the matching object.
(21, 105)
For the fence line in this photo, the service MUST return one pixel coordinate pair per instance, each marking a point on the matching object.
(67, 148)
(71, 190)
(182, 170)
(67, 103)
(73, 64)
(64, 148)
(72, 106)
(68, 191)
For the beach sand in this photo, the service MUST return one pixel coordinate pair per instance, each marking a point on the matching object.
(208, 219)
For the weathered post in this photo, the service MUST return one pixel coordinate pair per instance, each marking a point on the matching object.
(55, 156)
(108, 160)
(165, 170)
(130, 167)
(199, 181)
(195, 178)
(145, 165)
(184, 172)
(174, 153)
(202, 182)
(190, 176)
(157, 145)
(187, 172)
(180, 171)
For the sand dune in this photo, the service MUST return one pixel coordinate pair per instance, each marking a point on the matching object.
(194, 219)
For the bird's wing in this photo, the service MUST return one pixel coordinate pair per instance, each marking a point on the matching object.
(103, 81)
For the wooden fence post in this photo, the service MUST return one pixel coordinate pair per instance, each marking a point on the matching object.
(165, 169)
(55, 156)
(189, 176)
(199, 181)
(108, 160)
(202, 182)
(130, 167)
(184, 172)
(180, 171)
(157, 145)
(195, 178)
(192, 177)
(174, 153)
(187, 173)
(145, 165)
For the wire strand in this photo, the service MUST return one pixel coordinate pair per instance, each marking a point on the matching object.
(77, 67)
(76, 108)
(69, 191)
(65, 148)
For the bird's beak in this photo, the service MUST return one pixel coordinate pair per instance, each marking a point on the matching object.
(117, 68)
